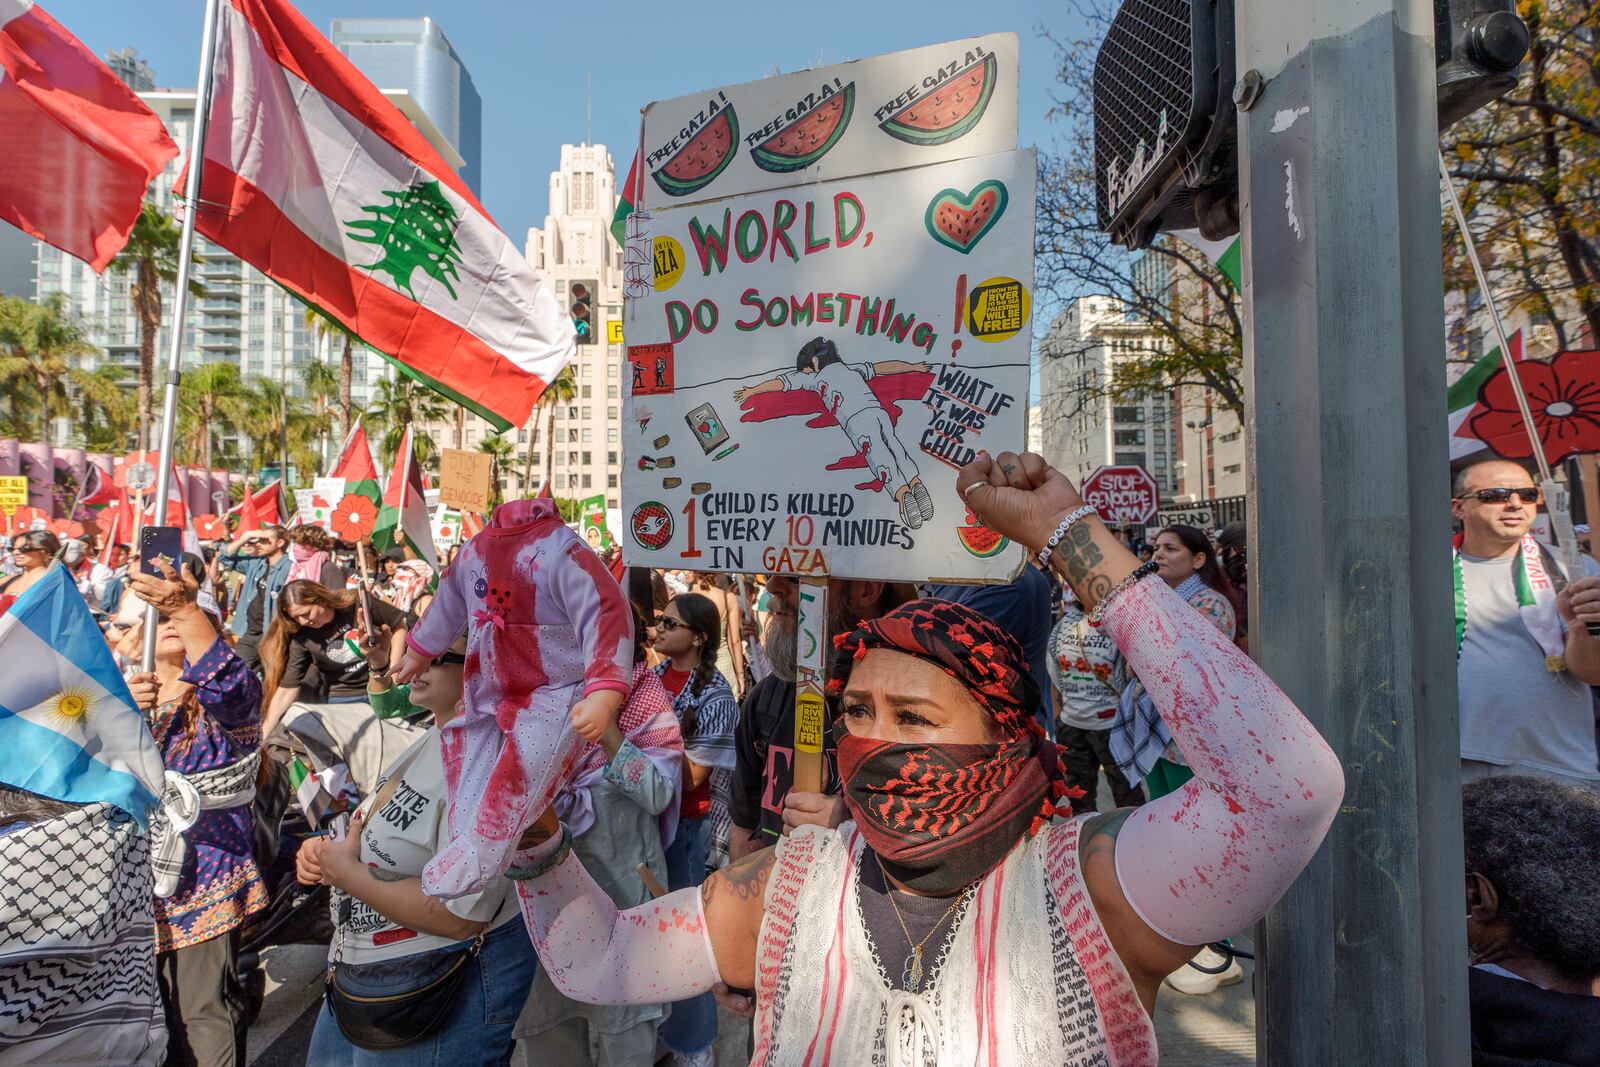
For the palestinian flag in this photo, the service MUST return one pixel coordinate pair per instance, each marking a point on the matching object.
(1462, 399)
(316, 179)
(403, 518)
(355, 466)
(319, 792)
(1225, 255)
(632, 191)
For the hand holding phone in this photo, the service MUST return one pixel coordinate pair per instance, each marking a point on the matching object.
(160, 542)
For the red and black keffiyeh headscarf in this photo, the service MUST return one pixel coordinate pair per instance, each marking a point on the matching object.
(940, 816)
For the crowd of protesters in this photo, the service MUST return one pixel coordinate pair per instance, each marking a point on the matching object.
(275, 661)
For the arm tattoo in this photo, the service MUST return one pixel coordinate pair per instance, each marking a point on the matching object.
(745, 879)
(1079, 557)
(1100, 834)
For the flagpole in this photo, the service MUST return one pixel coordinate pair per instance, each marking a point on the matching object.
(180, 300)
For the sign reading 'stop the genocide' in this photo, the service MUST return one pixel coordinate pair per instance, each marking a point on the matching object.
(1124, 496)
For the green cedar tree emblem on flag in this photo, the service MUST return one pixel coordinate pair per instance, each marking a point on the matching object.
(416, 228)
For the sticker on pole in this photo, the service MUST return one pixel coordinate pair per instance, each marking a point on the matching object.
(810, 721)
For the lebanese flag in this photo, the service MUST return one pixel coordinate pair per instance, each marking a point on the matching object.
(317, 180)
(80, 146)
(403, 518)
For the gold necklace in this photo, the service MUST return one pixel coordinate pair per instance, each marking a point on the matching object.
(911, 976)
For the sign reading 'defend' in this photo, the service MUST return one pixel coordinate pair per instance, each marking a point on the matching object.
(1124, 496)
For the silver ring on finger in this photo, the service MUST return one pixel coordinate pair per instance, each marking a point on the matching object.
(966, 494)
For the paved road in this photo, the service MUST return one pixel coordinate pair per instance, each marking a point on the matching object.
(1211, 1031)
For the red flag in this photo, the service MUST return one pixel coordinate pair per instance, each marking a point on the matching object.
(80, 146)
(267, 500)
(249, 516)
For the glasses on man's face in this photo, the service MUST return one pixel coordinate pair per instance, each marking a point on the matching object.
(458, 658)
(256, 542)
(666, 624)
(1527, 494)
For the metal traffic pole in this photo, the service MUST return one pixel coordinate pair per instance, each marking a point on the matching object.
(1364, 958)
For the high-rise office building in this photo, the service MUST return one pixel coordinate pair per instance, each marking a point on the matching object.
(413, 57)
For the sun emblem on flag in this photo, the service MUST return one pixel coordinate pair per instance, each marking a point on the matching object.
(71, 705)
(416, 228)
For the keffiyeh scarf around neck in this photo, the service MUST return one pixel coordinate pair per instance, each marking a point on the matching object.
(647, 722)
(1538, 580)
(305, 563)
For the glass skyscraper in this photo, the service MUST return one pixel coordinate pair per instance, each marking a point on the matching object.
(414, 55)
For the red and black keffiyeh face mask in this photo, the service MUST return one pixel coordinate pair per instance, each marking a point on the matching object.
(940, 816)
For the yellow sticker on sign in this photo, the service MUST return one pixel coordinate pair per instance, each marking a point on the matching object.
(613, 332)
(809, 721)
(13, 492)
(997, 309)
(669, 261)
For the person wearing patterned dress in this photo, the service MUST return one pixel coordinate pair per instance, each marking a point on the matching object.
(959, 918)
(203, 706)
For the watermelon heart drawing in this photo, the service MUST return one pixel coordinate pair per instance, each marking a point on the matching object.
(959, 220)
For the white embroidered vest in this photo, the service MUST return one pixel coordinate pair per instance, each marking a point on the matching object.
(1028, 978)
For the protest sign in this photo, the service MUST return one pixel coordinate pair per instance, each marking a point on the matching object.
(13, 492)
(464, 479)
(595, 532)
(906, 109)
(1124, 496)
(745, 455)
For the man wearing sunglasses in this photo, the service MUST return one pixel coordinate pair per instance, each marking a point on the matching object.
(1525, 659)
(262, 557)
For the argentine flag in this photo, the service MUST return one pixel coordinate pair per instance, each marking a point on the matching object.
(68, 726)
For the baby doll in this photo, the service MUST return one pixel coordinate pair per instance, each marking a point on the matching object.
(550, 648)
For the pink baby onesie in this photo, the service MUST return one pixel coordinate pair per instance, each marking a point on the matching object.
(547, 625)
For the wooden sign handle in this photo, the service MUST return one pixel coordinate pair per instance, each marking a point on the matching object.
(810, 710)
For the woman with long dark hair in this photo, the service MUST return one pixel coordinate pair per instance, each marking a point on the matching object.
(311, 628)
(1188, 564)
(32, 551)
(689, 633)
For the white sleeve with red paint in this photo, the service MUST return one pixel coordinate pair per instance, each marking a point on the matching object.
(654, 953)
(446, 617)
(599, 613)
(1208, 860)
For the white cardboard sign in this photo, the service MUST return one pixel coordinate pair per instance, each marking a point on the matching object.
(905, 109)
(745, 455)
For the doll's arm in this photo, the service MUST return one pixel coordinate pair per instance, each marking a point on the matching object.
(599, 613)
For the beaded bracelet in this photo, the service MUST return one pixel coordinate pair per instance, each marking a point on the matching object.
(1141, 571)
(550, 863)
(1061, 531)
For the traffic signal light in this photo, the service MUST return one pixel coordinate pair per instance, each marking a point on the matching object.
(581, 305)
(1478, 45)
(1165, 126)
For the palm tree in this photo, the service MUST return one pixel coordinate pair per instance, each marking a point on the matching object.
(212, 400)
(38, 343)
(105, 414)
(399, 401)
(151, 256)
(558, 393)
(499, 451)
(324, 325)
(321, 393)
(266, 408)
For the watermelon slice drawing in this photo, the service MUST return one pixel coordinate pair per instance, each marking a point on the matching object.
(980, 540)
(959, 220)
(706, 155)
(808, 140)
(951, 110)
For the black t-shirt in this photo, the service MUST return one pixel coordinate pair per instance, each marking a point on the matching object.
(764, 757)
(344, 671)
(254, 615)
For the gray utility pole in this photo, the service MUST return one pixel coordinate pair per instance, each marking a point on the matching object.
(1364, 959)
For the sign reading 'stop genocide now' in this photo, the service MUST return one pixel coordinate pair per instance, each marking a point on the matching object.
(807, 368)
(1124, 496)
(906, 109)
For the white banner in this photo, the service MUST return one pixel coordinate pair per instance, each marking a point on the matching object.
(807, 368)
(904, 109)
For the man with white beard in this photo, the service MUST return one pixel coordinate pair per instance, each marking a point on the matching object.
(763, 805)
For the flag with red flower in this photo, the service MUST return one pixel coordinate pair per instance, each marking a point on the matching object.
(210, 528)
(1563, 397)
(354, 518)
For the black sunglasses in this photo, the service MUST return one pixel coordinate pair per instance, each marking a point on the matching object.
(666, 624)
(450, 657)
(1528, 494)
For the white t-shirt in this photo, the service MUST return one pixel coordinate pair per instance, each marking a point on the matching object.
(1514, 712)
(402, 837)
(842, 386)
(1083, 667)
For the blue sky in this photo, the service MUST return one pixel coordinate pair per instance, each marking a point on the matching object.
(530, 61)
